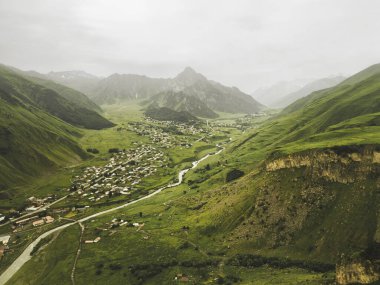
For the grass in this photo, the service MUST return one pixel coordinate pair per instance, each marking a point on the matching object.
(53, 264)
(292, 214)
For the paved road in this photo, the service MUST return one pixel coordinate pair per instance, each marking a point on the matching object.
(34, 212)
(25, 255)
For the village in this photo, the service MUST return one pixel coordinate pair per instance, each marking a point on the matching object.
(120, 176)
(168, 134)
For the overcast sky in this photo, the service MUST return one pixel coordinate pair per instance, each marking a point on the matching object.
(247, 44)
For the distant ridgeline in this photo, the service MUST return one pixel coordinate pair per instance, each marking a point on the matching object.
(188, 91)
(38, 125)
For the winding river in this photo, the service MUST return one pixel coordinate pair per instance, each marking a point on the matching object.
(25, 255)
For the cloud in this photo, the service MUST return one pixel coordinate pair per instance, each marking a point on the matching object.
(243, 43)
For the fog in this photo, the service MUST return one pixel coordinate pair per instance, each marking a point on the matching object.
(248, 44)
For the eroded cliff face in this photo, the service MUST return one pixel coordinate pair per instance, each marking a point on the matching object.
(323, 202)
(357, 271)
(343, 166)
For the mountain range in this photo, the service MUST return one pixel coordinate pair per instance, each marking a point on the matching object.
(299, 190)
(194, 92)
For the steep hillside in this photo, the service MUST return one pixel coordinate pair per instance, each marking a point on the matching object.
(190, 83)
(314, 192)
(32, 141)
(343, 115)
(68, 105)
(70, 93)
(313, 205)
(74, 96)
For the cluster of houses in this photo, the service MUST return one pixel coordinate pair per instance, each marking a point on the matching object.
(115, 223)
(162, 133)
(186, 129)
(34, 221)
(35, 204)
(121, 175)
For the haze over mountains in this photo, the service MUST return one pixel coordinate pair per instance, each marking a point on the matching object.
(284, 93)
(194, 92)
(132, 150)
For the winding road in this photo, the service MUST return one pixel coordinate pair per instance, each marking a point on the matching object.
(25, 255)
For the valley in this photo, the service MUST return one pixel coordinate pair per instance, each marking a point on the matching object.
(168, 196)
(189, 142)
(93, 188)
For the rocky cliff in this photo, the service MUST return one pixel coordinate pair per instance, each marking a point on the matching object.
(343, 165)
(357, 271)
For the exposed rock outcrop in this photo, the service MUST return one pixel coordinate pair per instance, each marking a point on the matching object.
(357, 271)
(336, 165)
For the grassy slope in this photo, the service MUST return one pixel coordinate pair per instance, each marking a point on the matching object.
(338, 216)
(32, 142)
(70, 94)
(164, 216)
(66, 106)
(344, 115)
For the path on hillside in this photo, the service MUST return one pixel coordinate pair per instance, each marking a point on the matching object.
(25, 255)
(78, 253)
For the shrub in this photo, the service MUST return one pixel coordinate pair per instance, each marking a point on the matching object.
(234, 174)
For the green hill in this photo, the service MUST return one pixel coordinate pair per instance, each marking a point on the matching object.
(313, 194)
(347, 114)
(62, 102)
(310, 193)
(36, 127)
(32, 142)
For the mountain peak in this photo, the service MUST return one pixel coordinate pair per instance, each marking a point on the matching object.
(189, 70)
(189, 76)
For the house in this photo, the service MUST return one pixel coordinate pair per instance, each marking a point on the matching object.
(38, 223)
(88, 241)
(97, 239)
(4, 239)
(49, 219)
